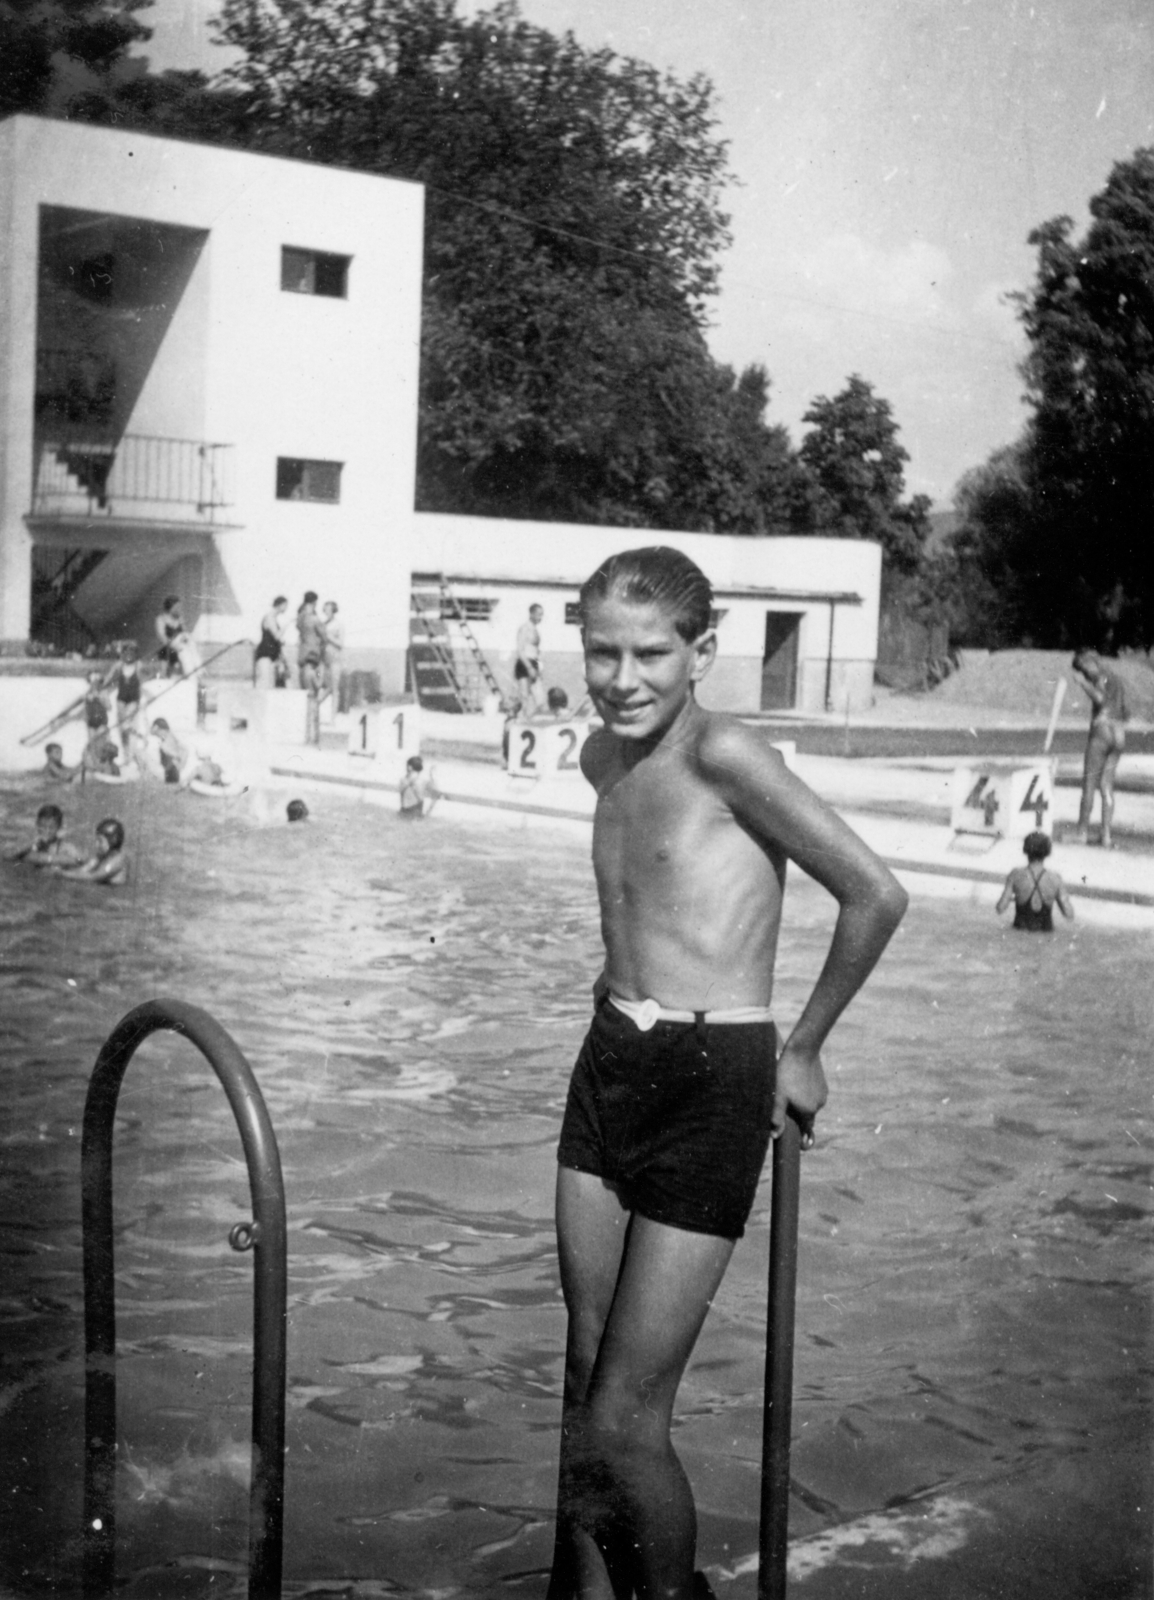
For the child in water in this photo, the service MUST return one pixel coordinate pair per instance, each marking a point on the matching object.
(109, 863)
(675, 1096)
(417, 793)
(1035, 889)
(49, 848)
(55, 769)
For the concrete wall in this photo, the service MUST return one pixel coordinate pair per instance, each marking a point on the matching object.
(520, 564)
(270, 372)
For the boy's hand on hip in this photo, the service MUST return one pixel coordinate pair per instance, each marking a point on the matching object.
(800, 1086)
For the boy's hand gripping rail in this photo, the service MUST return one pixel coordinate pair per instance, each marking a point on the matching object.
(265, 1236)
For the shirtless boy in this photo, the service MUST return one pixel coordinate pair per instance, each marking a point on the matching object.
(1105, 743)
(674, 1096)
(56, 769)
(49, 848)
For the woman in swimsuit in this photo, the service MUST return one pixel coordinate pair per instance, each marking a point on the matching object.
(1035, 889)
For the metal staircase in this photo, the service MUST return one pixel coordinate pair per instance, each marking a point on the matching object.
(57, 575)
(449, 669)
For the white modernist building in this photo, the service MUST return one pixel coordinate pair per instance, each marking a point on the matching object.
(208, 388)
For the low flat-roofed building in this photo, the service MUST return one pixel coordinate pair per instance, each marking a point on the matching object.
(797, 618)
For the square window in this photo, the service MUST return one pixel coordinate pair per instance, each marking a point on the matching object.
(314, 272)
(297, 479)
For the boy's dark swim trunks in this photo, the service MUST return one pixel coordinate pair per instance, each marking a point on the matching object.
(677, 1118)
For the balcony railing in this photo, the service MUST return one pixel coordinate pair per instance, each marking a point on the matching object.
(136, 478)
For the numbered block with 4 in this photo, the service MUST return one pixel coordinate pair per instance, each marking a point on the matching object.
(386, 731)
(547, 749)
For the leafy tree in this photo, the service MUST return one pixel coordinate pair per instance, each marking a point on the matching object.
(991, 578)
(55, 53)
(1088, 460)
(572, 227)
(854, 477)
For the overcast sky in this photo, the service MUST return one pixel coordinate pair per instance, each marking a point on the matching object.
(892, 157)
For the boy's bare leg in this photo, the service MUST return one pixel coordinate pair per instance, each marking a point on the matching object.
(626, 1515)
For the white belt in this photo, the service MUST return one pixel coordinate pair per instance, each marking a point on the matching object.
(647, 1013)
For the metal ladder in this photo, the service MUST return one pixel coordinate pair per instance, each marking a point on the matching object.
(265, 1236)
(445, 676)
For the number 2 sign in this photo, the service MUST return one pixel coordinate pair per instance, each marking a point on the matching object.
(542, 750)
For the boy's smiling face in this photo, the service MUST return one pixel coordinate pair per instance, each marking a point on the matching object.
(639, 669)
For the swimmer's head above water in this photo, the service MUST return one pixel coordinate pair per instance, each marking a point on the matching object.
(1037, 845)
(111, 831)
(296, 811)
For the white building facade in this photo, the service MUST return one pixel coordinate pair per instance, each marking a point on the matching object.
(209, 389)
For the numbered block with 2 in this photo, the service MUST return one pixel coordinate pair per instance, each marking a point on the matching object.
(547, 749)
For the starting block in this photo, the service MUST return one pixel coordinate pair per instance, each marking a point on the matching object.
(546, 749)
(385, 731)
(1002, 802)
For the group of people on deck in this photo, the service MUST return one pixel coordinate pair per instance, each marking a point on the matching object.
(319, 652)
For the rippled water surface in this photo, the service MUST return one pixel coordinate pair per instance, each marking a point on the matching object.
(973, 1314)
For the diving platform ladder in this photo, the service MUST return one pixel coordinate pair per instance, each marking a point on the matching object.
(449, 669)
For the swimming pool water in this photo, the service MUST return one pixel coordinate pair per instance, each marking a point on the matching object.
(973, 1328)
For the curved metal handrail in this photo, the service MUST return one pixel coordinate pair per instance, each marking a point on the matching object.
(265, 1236)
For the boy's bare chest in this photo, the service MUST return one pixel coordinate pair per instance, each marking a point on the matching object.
(657, 819)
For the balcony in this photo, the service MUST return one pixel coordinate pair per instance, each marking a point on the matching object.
(133, 479)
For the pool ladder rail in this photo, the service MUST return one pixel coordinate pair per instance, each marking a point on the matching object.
(265, 1236)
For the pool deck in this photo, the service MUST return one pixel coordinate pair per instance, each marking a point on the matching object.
(899, 805)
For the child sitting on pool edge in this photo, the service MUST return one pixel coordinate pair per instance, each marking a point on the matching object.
(109, 864)
(1035, 893)
(674, 1096)
(49, 848)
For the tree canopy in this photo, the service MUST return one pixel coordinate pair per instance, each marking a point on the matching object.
(855, 479)
(54, 53)
(1061, 526)
(573, 227)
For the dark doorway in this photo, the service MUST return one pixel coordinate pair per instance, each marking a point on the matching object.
(779, 665)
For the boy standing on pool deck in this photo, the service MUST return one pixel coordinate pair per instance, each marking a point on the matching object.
(674, 1096)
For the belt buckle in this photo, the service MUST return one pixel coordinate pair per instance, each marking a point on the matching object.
(647, 1014)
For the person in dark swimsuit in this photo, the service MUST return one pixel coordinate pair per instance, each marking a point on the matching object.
(171, 634)
(1035, 889)
(270, 670)
(125, 679)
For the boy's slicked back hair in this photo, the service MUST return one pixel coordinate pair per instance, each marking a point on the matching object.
(654, 575)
